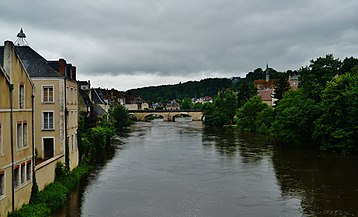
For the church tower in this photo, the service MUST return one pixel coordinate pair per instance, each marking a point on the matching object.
(267, 73)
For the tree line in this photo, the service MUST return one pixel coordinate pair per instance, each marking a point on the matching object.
(323, 111)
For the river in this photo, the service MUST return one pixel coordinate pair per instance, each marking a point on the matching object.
(174, 169)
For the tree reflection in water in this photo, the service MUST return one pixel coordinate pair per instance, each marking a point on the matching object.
(326, 183)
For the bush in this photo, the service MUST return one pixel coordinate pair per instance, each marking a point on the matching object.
(54, 195)
(60, 171)
(32, 210)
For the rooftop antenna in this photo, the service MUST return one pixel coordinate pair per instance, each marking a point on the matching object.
(21, 41)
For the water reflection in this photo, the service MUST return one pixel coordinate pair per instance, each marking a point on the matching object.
(327, 184)
(229, 142)
(185, 169)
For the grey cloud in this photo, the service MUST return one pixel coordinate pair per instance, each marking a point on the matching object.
(184, 37)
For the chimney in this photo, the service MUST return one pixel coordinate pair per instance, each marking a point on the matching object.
(74, 73)
(8, 54)
(62, 66)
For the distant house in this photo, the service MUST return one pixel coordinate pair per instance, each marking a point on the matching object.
(173, 105)
(265, 88)
(202, 100)
(100, 101)
(266, 96)
(85, 96)
(135, 103)
(293, 81)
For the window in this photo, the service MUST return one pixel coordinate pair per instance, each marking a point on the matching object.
(24, 133)
(67, 93)
(19, 135)
(21, 96)
(73, 143)
(75, 96)
(2, 184)
(72, 119)
(47, 94)
(48, 121)
(1, 142)
(28, 171)
(48, 146)
(71, 95)
(23, 174)
(17, 177)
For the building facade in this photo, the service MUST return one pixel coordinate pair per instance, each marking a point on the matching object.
(71, 105)
(16, 131)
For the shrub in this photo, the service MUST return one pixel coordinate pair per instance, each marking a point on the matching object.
(54, 195)
(32, 210)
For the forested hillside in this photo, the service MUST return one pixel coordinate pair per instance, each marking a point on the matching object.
(205, 87)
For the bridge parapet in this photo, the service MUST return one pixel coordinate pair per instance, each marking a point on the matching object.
(168, 115)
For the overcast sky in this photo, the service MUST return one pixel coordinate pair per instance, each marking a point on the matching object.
(134, 43)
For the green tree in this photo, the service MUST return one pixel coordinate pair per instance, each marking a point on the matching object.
(313, 79)
(186, 103)
(295, 116)
(281, 87)
(264, 119)
(120, 116)
(337, 128)
(247, 114)
(222, 110)
(245, 91)
(348, 64)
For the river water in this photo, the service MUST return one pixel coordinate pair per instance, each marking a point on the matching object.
(174, 169)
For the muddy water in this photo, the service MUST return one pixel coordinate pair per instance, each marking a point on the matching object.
(182, 169)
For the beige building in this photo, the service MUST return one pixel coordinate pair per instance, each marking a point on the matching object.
(68, 72)
(56, 93)
(16, 158)
(49, 114)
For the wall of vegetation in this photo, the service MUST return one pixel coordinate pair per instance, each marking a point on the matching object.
(323, 111)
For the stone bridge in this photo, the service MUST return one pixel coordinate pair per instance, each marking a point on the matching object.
(168, 115)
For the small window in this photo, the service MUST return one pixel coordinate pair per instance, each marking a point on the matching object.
(1, 142)
(72, 119)
(24, 137)
(2, 183)
(19, 135)
(17, 177)
(48, 94)
(28, 171)
(72, 98)
(73, 143)
(21, 96)
(48, 121)
(23, 174)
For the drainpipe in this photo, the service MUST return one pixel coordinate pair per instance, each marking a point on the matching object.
(33, 139)
(67, 151)
(12, 149)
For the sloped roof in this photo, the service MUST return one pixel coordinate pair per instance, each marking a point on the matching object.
(265, 94)
(34, 63)
(98, 97)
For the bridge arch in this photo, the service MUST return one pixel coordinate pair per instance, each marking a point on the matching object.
(152, 116)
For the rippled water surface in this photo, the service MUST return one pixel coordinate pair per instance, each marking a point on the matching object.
(182, 169)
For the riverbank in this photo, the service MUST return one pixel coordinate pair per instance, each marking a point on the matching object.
(54, 195)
